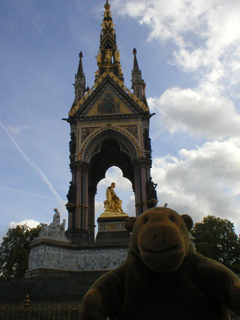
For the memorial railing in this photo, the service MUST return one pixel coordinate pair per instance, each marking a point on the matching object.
(40, 311)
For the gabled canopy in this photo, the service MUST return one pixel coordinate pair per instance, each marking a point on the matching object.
(108, 96)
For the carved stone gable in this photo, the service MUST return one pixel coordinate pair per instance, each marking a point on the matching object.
(108, 104)
(108, 85)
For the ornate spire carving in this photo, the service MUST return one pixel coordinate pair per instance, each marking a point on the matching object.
(80, 81)
(138, 84)
(108, 57)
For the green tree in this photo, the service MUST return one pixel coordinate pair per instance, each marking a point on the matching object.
(14, 251)
(216, 238)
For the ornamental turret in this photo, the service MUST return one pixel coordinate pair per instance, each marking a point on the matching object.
(138, 84)
(108, 57)
(80, 81)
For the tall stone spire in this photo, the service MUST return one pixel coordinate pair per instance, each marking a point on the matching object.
(108, 58)
(80, 81)
(138, 85)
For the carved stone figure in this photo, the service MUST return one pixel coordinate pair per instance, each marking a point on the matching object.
(151, 193)
(45, 230)
(56, 219)
(147, 140)
(71, 193)
(55, 230)
(72, 144)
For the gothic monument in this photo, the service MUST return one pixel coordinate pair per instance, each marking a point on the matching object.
(109, 127)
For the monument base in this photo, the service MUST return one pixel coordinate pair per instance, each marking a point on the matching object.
(54, 255)
(111, 229)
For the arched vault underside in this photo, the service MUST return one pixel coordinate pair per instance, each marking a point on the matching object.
(110, 148)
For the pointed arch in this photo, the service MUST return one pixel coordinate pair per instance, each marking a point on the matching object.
(126, 144)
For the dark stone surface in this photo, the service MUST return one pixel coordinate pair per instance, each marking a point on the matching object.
(70, 288)
(116, 238)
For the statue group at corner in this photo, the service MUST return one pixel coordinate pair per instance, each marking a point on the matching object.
(54, 230)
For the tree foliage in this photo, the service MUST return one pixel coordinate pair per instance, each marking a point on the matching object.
(15, 249)
(216, 238)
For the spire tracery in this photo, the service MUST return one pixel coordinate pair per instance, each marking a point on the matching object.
(138, 84)
(80, 81)
(108, 57)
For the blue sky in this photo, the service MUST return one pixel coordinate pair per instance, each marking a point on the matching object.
(189, 54)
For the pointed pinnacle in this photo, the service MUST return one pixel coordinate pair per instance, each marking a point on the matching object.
(80, 66)
(135, 63)
(107, 4)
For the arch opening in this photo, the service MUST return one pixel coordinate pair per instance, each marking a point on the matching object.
(123, 190)
(110, 155)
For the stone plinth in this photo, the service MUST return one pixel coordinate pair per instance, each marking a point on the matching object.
(111, 229)
(54, 257)
(52, 254)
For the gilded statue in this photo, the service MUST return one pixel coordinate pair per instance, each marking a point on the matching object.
(108, 56)
(99, 57)
(112, 200)
(117, 56)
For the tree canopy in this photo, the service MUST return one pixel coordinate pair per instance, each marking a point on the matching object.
(15, 249)
(216, 238)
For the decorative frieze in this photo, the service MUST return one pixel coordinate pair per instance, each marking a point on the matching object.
(111, 226)
(66, 259)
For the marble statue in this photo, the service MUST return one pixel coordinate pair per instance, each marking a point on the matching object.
(54, 230)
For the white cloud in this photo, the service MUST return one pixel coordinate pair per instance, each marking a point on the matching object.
(30, 223)
(62, 210)
(131, 206)
(114, 174)
(205, 32)
(202, 181)
(203, 111)
(99, 208)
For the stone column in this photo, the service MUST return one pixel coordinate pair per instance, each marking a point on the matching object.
(137, 183)
(78, 216)
(141, 173)
(84, 204)
(144, 189)
(78, 211)
(91, 213)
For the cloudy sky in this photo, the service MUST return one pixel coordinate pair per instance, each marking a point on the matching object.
(189, 54)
